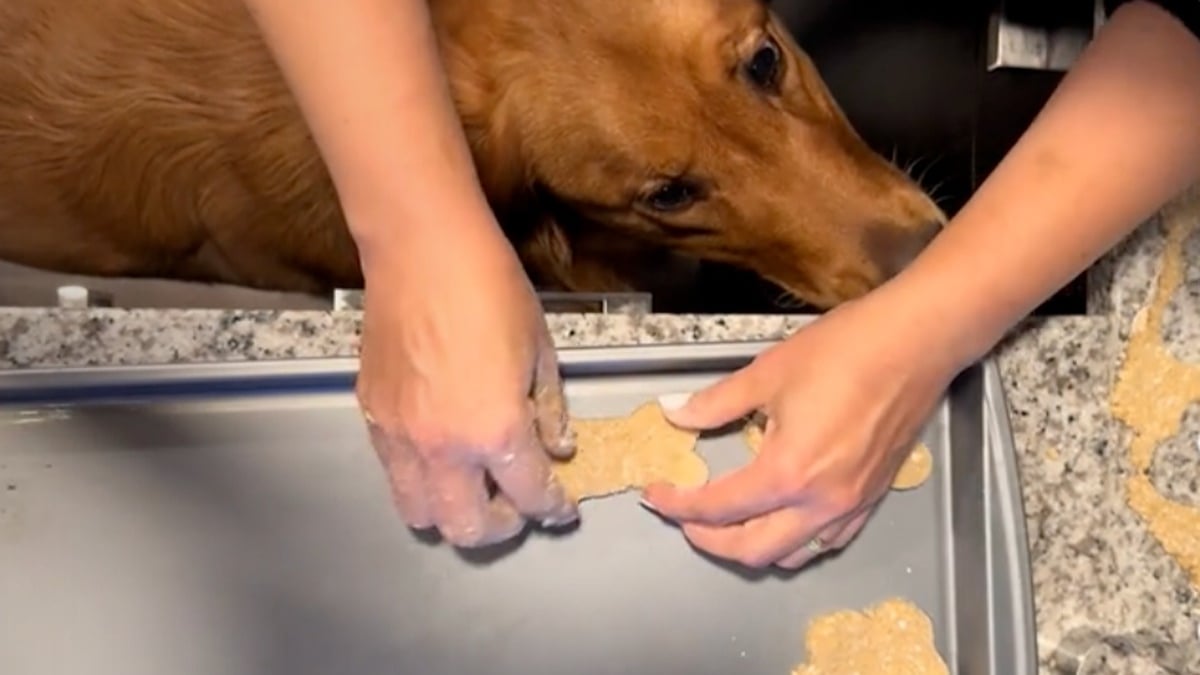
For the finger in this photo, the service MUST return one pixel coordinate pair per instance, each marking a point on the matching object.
(461, 508)
(833, 538)
(504, 522)
(406, 477)
(550, 403)
(759, 542)
(523, 474)
(750, 491)
(729, 398)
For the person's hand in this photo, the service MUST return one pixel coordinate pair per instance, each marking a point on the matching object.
(844, 398)
(460, 387)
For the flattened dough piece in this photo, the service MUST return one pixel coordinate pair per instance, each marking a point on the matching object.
(916, 468)
(893, 637)
(620, 453)
(753, 431)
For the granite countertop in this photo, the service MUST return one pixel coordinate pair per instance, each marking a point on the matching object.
(1097, 569)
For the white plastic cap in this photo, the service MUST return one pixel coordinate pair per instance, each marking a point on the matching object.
(72, 297)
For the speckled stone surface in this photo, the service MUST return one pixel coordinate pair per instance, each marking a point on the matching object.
(1096, 570)
(1158, 610)
(1095, 567)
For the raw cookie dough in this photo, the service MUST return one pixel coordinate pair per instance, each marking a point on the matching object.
(893, 637)
(619, 453)
(915, 470)
(1153, 390)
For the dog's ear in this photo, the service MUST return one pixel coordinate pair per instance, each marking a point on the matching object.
(546, 254)
(554, 262)
(499, 157)
(491, 124)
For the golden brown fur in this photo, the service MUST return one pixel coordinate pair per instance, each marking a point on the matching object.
(157, 138)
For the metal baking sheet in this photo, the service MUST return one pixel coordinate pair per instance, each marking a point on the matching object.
(232, 519)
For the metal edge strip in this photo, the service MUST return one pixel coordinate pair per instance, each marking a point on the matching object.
(968, 511)
(1016, 534)
(172, 381)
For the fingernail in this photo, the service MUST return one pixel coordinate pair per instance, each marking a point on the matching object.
(648, 506)
(567, 440)
(560, 520)
(673, 402)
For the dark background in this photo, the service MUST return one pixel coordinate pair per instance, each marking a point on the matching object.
(912, 75)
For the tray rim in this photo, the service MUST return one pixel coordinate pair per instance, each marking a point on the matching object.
(571, 360)
(998, 425)
(91, 385)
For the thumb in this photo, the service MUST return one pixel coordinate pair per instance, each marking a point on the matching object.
(550, 403)
(718, 404)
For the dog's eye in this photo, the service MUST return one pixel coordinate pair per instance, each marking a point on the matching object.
(672, 195)
(764, 65)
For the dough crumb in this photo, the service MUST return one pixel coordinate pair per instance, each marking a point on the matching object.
(616, 454)
(893, 637)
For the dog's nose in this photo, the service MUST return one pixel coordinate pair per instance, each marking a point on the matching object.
(893, 248)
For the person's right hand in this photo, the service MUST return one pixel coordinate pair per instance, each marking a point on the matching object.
(459, 381)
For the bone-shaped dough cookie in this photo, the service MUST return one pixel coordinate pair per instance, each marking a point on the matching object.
(916, 468)
(616, 454)
(894, 636)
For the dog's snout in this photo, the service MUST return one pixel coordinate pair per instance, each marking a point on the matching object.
(893, 248)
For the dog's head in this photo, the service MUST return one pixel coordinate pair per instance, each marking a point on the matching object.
(696, 125)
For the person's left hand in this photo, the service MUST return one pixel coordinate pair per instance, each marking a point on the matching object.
(844, 398)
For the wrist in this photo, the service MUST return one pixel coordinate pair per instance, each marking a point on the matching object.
(949, 322)
(430, 234)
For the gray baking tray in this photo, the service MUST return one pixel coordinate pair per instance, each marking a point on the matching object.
(232, 519)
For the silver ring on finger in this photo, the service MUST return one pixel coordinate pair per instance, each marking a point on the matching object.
(815, 545)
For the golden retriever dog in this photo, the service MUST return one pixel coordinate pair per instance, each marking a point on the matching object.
(157, 138)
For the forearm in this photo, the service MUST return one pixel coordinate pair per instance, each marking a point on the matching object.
(1118, 139)
(367, 76)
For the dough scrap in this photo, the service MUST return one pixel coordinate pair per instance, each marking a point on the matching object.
(893, 637)
(915, 470)
(912, 474)
(1153, 390)
(615, 454)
